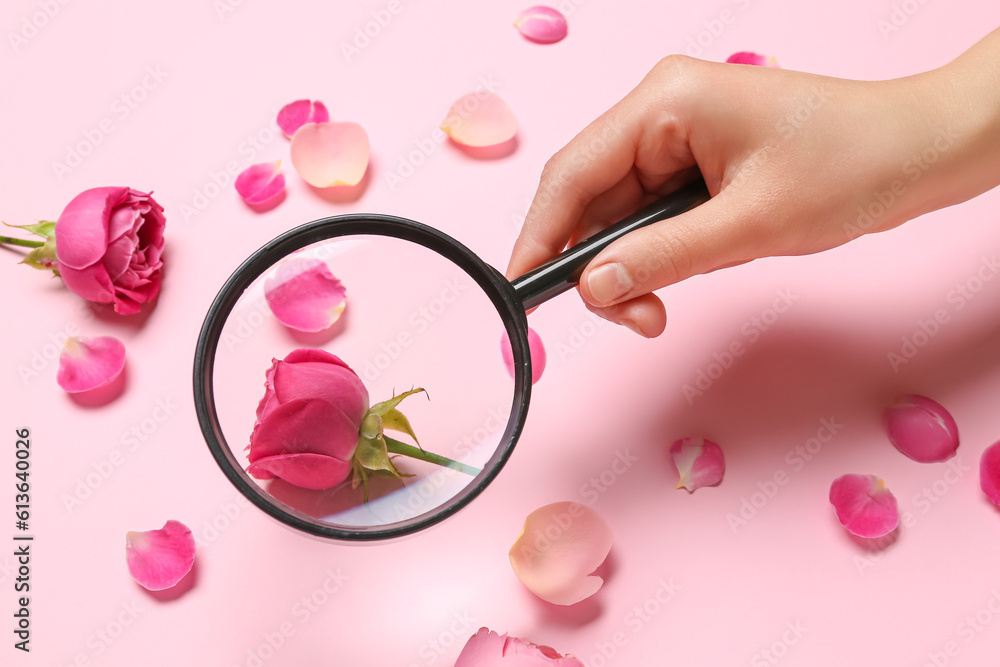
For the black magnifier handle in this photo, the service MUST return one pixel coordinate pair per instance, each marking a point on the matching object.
(563, 271)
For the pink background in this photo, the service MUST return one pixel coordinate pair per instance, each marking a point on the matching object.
(221, 78)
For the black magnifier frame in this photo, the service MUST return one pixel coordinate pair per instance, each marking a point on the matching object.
(511, 300)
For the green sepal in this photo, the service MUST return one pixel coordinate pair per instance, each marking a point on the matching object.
(43, 228)
(43, 258)
(394, 420)
(384, 407)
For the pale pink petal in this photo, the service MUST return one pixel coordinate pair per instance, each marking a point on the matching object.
(158, 559)
(296, 114)
(751, 58)
(989, 472)
(535, 348)
(559, 548)
(698, 462)
(864, 506)
(89, 363)
(304, 295)
(541, 24)
(922, 429)
(328, 154)
(259, 183)
(481, 118)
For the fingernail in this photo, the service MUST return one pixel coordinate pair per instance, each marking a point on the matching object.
(608, 282)
(633, 327)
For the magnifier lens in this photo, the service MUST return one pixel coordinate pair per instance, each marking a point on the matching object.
(413, 319)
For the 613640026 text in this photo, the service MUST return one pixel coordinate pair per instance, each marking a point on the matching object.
(22, 539)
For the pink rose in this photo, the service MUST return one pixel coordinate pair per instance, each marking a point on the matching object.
(308, 420)
(108, 246)
(488, 649)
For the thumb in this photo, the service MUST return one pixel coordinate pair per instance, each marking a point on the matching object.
(708, 237)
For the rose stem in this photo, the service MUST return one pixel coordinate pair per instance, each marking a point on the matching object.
(23, 242)
(397, 447)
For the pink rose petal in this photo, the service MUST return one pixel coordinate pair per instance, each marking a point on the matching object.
(541, 24)
(481, 118)
(158, 559)
(989, 472)
(304, 295)
(864, 506)
(259, 183)
(559, 548)
(535, 348)
(698, 462)
(89, 363)
(329, 154)
(921, 429)
(296, 114)
(489, 649)
(751, 58)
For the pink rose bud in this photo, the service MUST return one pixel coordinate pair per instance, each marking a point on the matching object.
(108, 245)
(158, 559)
(989, 472)
(308, 420)
(922, 429)
(864, 506)
(489, 649)
(541, 24)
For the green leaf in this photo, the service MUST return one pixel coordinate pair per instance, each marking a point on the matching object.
(382, 408)
(43, 258)
(394, 420)
(44, 228)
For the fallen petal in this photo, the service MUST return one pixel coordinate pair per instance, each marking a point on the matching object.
(296, 114)
(558, 550)
(481, 118)
(751, 58)
(699, 463)
(329, 154)
(487, 648)
(158, 559)
(922, 429)
(304, 295)
(864, 506)
(989, 472)
(542, 24)
(259, 183)
(535, 348)
(89, 363)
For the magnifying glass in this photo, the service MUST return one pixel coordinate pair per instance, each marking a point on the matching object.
(418, 334)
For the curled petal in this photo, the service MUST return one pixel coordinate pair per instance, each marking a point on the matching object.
(296, 114)
(488, 649)
(304, 295)
(535, 348)
(259, 183)
(699, 463)
(989, 472)
(541, 24)
(89, 363)
(559, 548)
(309, 471)
(481, 118)
(921, 429)
(864, 506)
(329, 154)
(305, 426)
(158, 559)
(751, 58)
